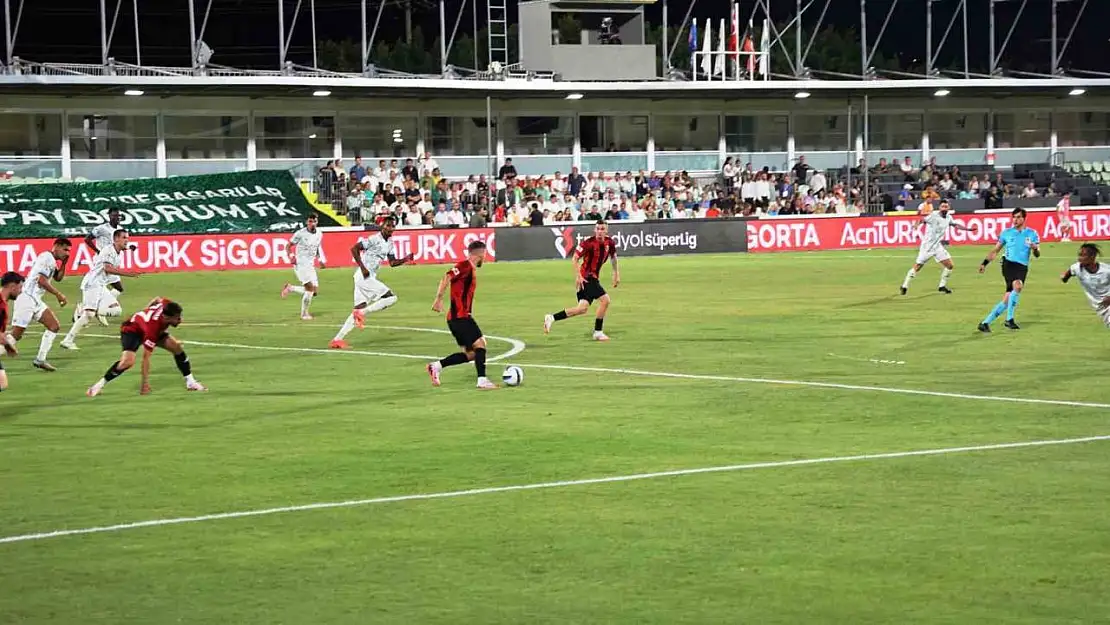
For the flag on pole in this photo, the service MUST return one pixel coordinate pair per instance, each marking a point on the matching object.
(734, 41)
(706, 48)
(749, 47)
(765, 50)
(693, 41)
(719, 66)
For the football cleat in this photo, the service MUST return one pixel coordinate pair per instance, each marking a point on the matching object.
(485, 385)
(944, 289)
(904, 290)
(1010, 323)
(600, 336)
(548, 321)
(433, 369)
(93, 391)
(984, 328)
(196, 386)
(286, 290)
(306, 317)
(70, 346)
(44, 366)
(337, 344)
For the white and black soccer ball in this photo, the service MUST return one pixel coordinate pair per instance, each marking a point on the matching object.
(513, 376)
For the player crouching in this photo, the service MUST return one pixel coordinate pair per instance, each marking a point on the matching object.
(592, 253)
(148, 329)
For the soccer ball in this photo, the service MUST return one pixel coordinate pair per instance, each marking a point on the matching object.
(513, 376)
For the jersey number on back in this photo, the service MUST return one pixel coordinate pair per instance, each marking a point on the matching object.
(150, 314)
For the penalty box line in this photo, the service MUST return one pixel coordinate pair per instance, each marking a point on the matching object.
(519, 346)
(545, 485)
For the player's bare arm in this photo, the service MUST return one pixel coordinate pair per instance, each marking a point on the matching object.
(356, 253)
(990, 257)
(397, 262)
(1064, 277)
(616, 272)
(437, 305)
(144, 373)
(1036, 247)
(90, 241)
(123, 273)
(49, 288)
(320, 257)
(576, 260)
(971, 228)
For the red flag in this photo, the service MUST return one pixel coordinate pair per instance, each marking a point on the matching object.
(749, 46)
(734, 34)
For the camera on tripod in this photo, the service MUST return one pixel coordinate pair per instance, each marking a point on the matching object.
(607, 35)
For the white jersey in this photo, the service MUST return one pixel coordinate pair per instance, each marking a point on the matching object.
(45, 266)
(97, 278)
(936, 229)
(105, 235)
(1096, 286)
(308, 246)
(375, 251)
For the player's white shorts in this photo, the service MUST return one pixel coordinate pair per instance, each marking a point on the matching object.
(368, 290)
(937, 252)
(306, 274)
(27, 310)
(1065, 223)
(1104, 314)
(91, 298)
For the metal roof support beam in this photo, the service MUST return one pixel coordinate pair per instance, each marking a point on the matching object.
(368, 44)
(800, 66)
(996, 57)
(882, 31)
(778, 36)
(195, 38)
(106, 44)
(1057, 54)
(285, 38)
(11, 31)
(932, 55)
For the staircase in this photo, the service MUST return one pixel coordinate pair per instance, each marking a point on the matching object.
(324, 208)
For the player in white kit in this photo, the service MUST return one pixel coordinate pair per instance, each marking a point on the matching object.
(29, 306)
(937, 224)
(1094, 277)
(1063, 213)
(105, 265)
(99, 238)
(307, 246)
(370, 294)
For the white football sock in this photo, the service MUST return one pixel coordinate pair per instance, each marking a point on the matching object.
(944, 276)
(306, 301)
(78, 325)
(910, 275)
(348, 325)
(296, 289)
(45, 345)
(382, 304)
(190, 380)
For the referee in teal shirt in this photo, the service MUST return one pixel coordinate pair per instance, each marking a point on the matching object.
(1019, 242)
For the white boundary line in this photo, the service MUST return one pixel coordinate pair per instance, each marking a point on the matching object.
(544, 485)
(663, 374)
(516, 345)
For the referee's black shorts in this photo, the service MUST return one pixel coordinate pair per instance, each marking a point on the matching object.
(1013, 271)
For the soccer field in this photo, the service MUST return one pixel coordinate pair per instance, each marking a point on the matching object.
(804, 377)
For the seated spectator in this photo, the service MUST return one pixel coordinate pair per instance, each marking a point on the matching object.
(907, 169)
(992, 199)
(1030, 191)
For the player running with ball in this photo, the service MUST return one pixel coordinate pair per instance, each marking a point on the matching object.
(1094, 277)
(460, 321)
(307, 248)
(370, 294)
(149, 328)
(937, 224)
(592, 253)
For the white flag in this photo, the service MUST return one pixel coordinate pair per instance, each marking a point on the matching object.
(706, 48)
(765, 50)
(719, 66)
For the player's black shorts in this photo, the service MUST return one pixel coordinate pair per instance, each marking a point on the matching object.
(1013, 271)
(465, 331)
(591, 290)
(132, 341)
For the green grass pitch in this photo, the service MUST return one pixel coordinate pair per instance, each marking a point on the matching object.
(1013, 535)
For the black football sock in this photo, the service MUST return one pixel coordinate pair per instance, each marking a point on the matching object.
(598, 323)
(112, 372)
(454, 359)
(559, 316)
(183, 364)
(480, 361)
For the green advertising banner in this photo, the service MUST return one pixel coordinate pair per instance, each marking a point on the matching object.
(241, 202)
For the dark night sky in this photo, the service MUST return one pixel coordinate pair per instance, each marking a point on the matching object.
(244, 32)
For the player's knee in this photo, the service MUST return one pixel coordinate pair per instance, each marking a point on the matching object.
(52, 325)
(3, 381)
(1018, 285)
(17, 332)
(126, 361)
(581, 308)
(479, 344)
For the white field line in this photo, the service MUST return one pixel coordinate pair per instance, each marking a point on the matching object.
(516, 345)
(544, 485)
(665, 374)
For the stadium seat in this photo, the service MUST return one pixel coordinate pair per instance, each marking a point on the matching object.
(1086, 167)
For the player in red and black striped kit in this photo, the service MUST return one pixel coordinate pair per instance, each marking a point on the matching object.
(11, 285)
(149, 328)
(460, 320)
(589, 258)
